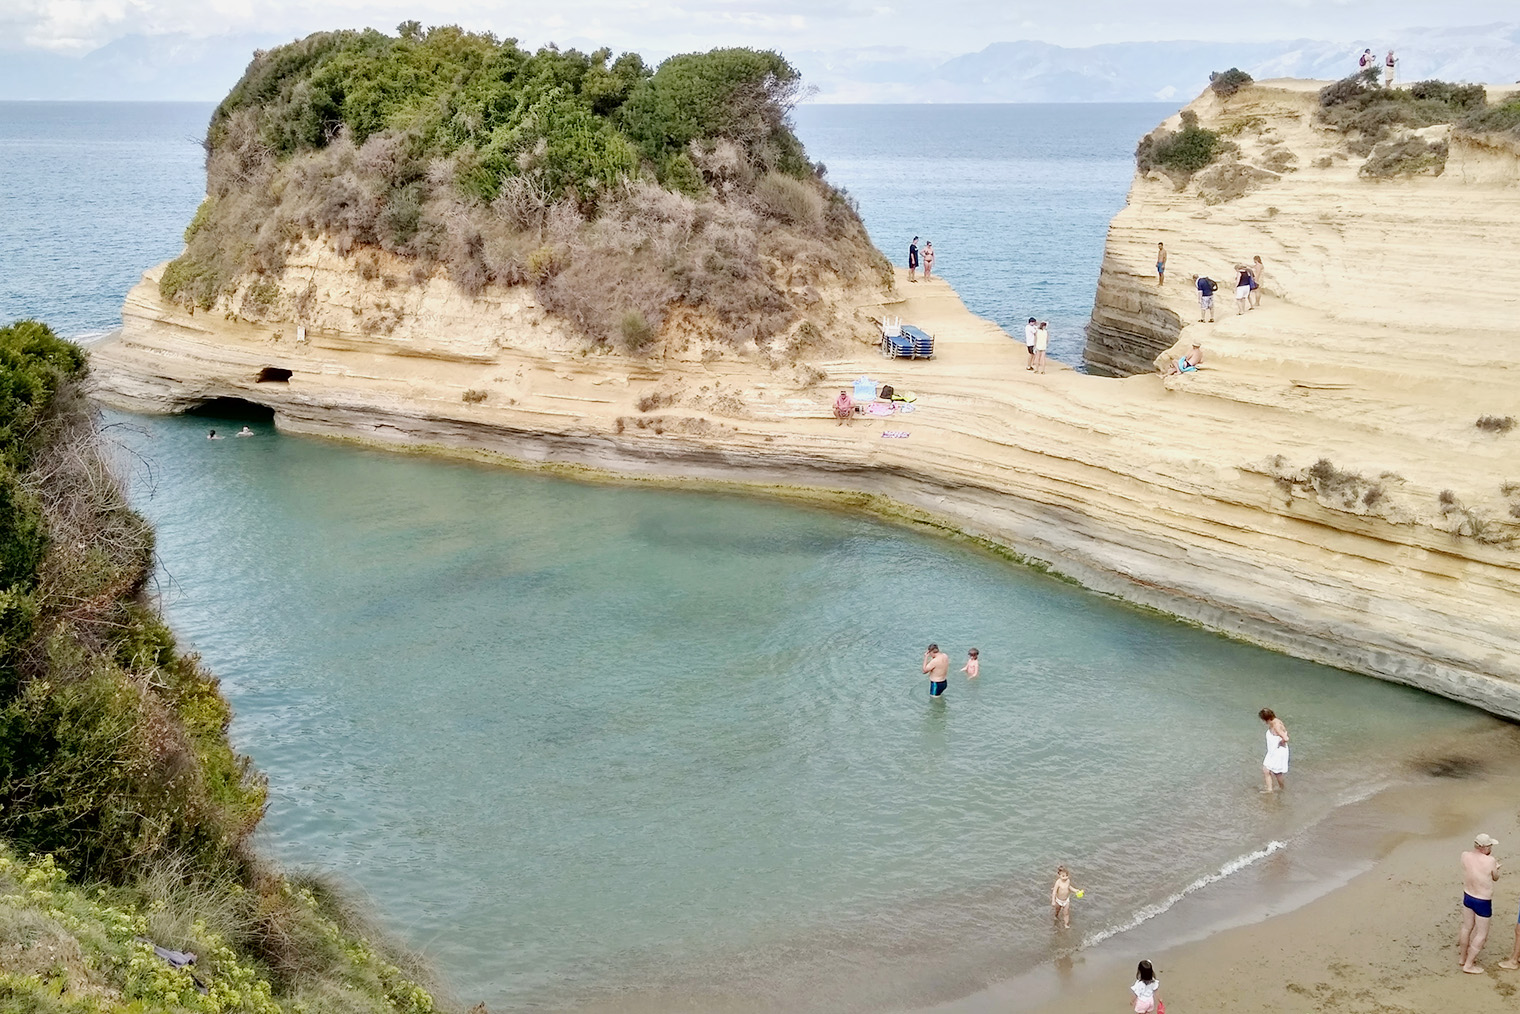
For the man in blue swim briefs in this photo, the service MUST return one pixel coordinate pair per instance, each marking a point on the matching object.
(937, 668)
(1479, 871)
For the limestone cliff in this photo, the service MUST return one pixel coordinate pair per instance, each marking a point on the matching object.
(1321, 487)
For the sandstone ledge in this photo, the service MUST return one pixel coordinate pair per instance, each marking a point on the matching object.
(1162, 495)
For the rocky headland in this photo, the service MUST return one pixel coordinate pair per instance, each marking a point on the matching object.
(1322, 487)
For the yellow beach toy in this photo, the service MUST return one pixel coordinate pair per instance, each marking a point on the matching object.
(1079, 893)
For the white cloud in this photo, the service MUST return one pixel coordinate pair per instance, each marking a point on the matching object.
(682, 25)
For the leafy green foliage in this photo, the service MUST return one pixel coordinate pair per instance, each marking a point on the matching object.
(74, 951)
(739, 94)
(1228, 82)
(1503, 118)
(34, 362)
(1408, 156)
(115, 766)
(1357, 106)
(607, 185)
(1182, 151)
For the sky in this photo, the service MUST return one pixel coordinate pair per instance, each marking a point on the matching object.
(659, 27)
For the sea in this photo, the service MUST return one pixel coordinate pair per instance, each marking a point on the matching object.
(595, 748)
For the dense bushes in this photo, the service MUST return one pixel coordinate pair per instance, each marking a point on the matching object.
(1357, 105)
(114, 759)
(1407, 156)
(453, 150)
(1228, 82)
(1182, 151)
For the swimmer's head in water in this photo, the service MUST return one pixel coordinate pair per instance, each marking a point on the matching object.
(1266, 714)
(973, 653)
(933, 648)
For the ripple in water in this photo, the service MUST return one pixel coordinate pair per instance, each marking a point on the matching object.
(633, 747)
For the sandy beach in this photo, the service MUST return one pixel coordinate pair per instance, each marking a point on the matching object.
(1357, 916)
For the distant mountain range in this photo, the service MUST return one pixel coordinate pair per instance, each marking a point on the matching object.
(149, 67)
(1143, 71)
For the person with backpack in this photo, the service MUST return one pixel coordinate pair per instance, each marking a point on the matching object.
(1206, 289)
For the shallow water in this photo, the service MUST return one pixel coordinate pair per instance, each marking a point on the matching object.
(584, 742)
(643, 749)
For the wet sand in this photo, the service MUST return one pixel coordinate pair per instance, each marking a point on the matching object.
(1382, 941)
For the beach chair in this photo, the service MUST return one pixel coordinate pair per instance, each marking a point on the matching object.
(923, 342)
(909, 343)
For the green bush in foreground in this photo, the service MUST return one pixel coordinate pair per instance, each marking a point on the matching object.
(115, 769)
(68, 950)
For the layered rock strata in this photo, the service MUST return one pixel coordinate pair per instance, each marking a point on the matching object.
(1319, 488)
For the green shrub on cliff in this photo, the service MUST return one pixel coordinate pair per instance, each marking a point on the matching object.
(1357, 106)
(1183, 151)
(115, 768)
(1228, 82)
(462, 153)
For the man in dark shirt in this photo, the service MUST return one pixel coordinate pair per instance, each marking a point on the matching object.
(1206, 289)
(913, 259)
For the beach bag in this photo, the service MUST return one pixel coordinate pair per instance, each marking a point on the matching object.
(886, 392)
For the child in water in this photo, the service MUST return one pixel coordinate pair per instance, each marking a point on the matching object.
(973, 666)
(1060, 897)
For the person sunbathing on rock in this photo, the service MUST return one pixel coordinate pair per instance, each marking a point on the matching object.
(1187, 364)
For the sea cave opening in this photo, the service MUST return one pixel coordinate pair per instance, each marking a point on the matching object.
(233, 408)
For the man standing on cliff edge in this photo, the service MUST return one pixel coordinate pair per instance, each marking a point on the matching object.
(1479, 871)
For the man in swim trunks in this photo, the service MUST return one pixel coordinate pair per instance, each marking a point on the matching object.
(937, 668)
(1160, 263)
(1479, 871)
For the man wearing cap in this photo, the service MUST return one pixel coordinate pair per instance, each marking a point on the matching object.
(1479, 871)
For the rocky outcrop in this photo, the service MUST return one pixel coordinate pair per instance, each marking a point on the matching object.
(1320, 488)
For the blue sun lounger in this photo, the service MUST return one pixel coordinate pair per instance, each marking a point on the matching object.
(909, 343)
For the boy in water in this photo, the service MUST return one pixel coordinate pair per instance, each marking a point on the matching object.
(1060, 898)
(973, 665)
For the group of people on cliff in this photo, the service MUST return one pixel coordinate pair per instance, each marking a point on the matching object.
(1369, 61)
(1249, 279)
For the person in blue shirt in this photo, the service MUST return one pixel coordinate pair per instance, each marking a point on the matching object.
(1206, 289)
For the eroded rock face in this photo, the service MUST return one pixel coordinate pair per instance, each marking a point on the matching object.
(1321, 487)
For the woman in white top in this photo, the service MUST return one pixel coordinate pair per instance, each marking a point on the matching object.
(1041, 343)
(1274, 767)
(1147, 990)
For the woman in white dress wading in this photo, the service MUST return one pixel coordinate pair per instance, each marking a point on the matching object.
(1274, 768)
